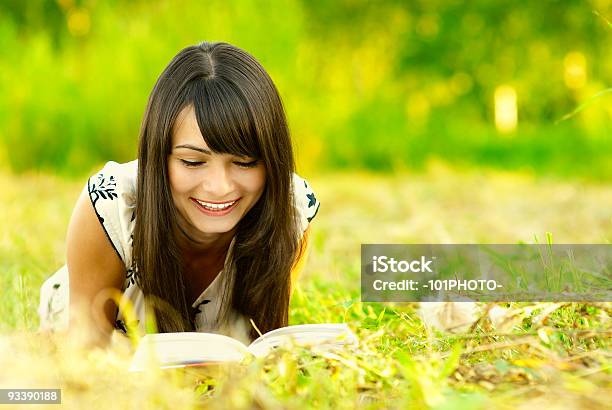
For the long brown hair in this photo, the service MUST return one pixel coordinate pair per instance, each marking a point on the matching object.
(239, 112)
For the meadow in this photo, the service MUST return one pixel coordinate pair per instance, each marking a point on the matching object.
(554, 355)
(415, 122)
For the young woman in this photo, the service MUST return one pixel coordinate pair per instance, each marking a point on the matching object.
(205, 228)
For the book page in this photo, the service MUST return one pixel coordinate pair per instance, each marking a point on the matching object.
(335, 334)
(185, 348)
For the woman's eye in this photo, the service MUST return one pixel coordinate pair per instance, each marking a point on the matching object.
(191, 163)
(250, 164)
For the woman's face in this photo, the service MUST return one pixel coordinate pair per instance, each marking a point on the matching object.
(212, 192)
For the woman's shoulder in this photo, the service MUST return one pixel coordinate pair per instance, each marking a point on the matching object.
(115, 181)
(117, 173)
(305, 200)
(112, 191)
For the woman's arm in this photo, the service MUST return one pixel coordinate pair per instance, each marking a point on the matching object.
(93, 266)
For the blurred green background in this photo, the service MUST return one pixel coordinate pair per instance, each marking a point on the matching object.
(380, 85)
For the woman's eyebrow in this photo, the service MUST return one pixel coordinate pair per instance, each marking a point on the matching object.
(193, 147)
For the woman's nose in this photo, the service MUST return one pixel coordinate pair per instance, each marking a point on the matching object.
(218, 183)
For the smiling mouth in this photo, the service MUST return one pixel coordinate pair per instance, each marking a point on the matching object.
(216, 206)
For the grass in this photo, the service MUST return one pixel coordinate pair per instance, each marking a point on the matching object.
(381, 101)
(547, 355)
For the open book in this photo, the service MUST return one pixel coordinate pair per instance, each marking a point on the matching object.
(169, 350)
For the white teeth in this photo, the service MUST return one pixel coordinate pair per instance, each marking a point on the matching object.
(215, 207)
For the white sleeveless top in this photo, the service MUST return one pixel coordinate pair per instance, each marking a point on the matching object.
(112, 191)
